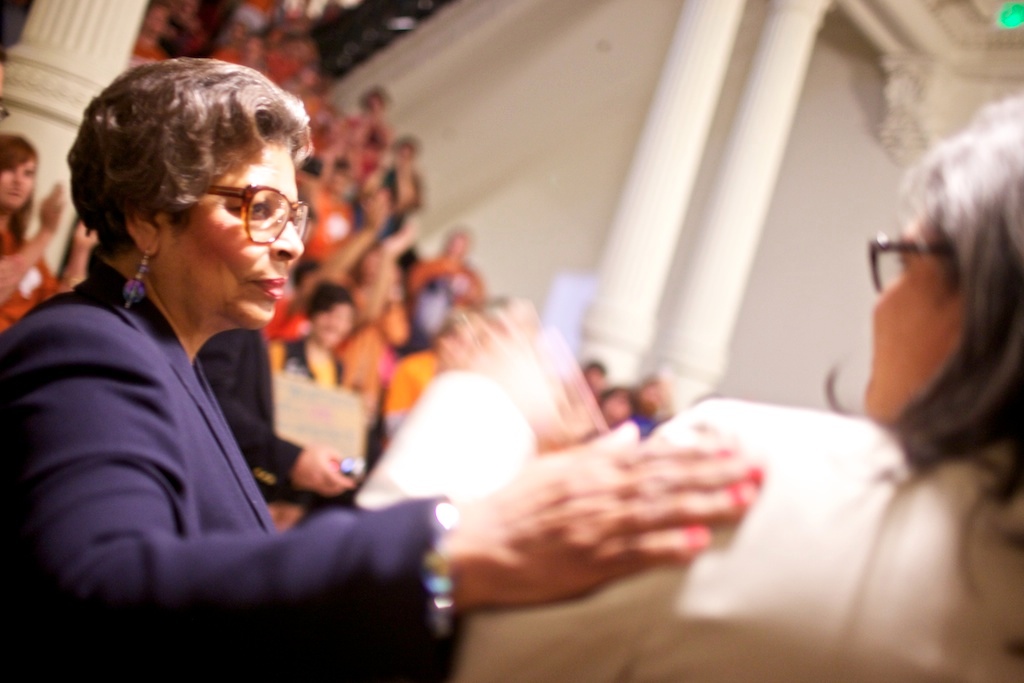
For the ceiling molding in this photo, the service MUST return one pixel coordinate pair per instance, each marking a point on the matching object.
(942, 59)
(970, 25)
(944, 29)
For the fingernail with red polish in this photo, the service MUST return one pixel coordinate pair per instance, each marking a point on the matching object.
(755, 474)
(740, 494)
(697, 537)
(724, 453)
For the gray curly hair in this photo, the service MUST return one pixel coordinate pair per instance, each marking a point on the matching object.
(156, 138)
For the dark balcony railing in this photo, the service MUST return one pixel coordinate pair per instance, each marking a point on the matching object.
(347, 37)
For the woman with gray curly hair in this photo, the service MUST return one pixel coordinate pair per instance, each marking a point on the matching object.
(138, 533)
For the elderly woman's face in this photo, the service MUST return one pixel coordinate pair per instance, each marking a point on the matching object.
(216, 277)
(917, 323)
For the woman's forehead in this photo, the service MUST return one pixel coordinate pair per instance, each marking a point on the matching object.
(19, 161)
(273, 167)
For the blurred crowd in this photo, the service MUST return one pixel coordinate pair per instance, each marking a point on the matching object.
(364, 310)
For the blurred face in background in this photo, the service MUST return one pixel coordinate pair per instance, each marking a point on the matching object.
(616, 406)
(331, 327)
(457, 247)
(652, 397)
(16, 186)
(596, 379)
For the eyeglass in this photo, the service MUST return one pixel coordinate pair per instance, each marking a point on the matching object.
(266, 212)
(887, 257)
(4, 113)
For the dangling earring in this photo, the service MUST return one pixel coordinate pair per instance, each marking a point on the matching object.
(134, 290)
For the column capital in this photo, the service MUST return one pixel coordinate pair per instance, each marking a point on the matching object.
(47, 91)
(904, 134)
(813, 6)
(91, 39)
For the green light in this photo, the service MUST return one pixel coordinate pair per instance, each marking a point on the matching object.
(1011, 15)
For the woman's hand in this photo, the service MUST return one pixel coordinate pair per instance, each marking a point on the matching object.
(317, 469)
(51, 208)
(574, 520)
(535, 369)
(83, 241)
(397, 244)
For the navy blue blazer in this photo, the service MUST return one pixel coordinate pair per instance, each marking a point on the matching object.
(138, 529)
(237, 367)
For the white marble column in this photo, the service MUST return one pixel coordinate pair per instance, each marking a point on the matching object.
(68, 52)
(620, 325)
(697, 346)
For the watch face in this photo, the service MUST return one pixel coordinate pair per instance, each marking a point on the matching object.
(447, 515)
(352, 467)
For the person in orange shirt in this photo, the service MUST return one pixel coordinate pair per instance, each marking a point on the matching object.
(372, 132)
(334, 204)
(453, 264)
(290, 321)
(25, 279)
(412, 375)
(437, 285)
(382, 327)
(400, 173)
(332, 316)
(416, 370)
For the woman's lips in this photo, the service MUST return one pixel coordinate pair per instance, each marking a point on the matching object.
(15, 196)
(274, 288)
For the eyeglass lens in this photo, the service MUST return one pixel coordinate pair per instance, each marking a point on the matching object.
(888, 265)
(268, 215)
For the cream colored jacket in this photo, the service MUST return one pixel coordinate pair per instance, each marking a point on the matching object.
(848, 568)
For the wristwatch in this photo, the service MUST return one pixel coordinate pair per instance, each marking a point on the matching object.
(437, 572)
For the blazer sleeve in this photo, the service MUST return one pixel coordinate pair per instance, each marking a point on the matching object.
(127, 540)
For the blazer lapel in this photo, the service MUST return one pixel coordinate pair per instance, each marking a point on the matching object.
(104, 285)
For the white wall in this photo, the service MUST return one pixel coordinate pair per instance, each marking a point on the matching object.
(528, 123)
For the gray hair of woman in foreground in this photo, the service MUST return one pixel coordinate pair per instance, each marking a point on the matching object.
(157, 137)
(968, 193)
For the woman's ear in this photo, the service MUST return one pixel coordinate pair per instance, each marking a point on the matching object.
(148, 233)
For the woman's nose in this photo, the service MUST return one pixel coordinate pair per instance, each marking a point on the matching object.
(289, 246)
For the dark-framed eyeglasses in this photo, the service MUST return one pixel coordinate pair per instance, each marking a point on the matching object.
(887, 257)
(266, 212)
